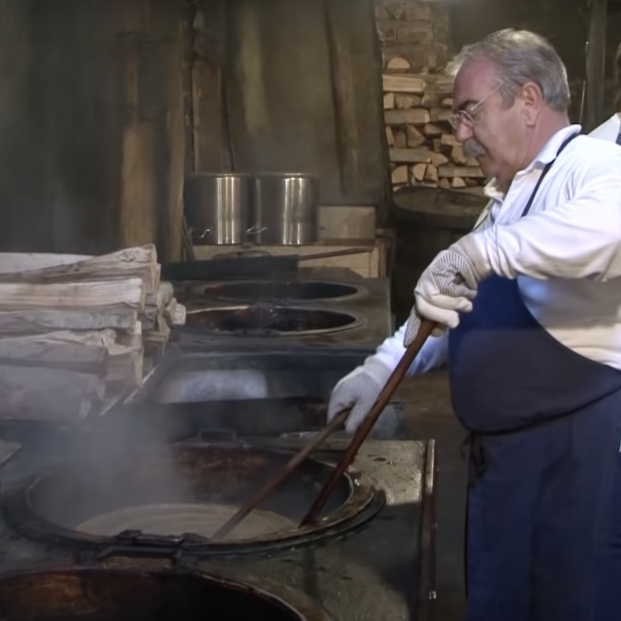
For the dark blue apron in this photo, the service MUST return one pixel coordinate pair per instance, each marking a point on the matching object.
(609, 594)
(544, 427)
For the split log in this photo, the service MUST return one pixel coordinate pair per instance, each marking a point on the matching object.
(448, 102)
(389, 101)
(449, 140)
(418, 172)
(430, 100)
(401, 141)
(432, 130)
(414, 137)
(396, 9)
(445, 184)
(42, 321)
(399, 175)
(443, 85)
(102, 296)
(404, 102)
(390, 137)
(413, 116)
(458, 182)
(39, 393)
(400, 83)
(418, 155)
(460, 171)
(457, 155)
(62, 348)
(440, 114)
(138, 262)
(439, 159)
(431, 174)
(398, 64)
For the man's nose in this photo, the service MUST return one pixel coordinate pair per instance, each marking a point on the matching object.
(463, 132)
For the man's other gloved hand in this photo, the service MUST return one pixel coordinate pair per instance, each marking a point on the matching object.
(359, 389)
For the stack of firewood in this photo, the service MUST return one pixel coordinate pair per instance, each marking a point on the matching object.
(76, 331)
(423, 150)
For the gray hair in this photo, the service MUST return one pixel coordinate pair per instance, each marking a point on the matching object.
(520, 57)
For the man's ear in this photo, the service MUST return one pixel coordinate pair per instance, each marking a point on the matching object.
(532, 101)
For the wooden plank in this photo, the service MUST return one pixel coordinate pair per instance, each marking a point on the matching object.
(59, 348)
(460, 171)
(417, 155)
(101, 296)
(39, 393)
(139, 262)
(26, 261)
(42, 321)
(401, 83)
(412, 116)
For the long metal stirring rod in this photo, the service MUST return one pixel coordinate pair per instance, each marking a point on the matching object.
(424, 331)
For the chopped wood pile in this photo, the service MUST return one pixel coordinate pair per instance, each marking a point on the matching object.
(77, 331)
(422, 147)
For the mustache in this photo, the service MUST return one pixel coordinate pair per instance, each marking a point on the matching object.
(473, 148)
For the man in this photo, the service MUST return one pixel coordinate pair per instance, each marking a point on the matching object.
(611, 129)
(609, 597)
(532, 298)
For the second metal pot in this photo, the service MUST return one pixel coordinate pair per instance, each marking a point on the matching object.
(285, 210)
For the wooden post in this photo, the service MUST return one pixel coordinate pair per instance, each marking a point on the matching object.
(595, 63)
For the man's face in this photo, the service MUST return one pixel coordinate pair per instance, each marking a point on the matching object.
(496, 134)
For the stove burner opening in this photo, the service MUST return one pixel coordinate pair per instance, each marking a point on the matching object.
(268, 319)
(273, 291)
(132, 595)
(180, 495)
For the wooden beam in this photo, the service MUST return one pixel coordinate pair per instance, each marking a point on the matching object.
(595, 64)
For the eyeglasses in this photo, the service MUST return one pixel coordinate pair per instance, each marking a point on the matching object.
(469, 117)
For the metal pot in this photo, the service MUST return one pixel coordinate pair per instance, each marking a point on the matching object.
(286, 207)
(217, 206)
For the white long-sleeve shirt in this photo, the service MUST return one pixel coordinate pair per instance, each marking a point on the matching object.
(566, 255)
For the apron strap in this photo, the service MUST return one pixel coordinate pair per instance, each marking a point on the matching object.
(546, 170)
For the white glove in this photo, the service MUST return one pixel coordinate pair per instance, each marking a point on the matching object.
(448, 286)
(359, 389)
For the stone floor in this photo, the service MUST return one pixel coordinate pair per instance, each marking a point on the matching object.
(429, 415)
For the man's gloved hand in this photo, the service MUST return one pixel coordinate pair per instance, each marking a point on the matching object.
(448, 286)
(359, 389)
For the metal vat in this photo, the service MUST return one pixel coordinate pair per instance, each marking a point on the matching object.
(217, 207)
(285, 210)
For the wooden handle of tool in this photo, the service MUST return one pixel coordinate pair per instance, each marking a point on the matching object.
(282, 475)
(424, 331)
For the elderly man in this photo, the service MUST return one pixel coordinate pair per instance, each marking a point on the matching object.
(532, 298)
(609, 598)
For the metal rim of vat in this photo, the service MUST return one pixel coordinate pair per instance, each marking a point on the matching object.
(291, 601)
(363, 503)
(218, 291)
(355, 322)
